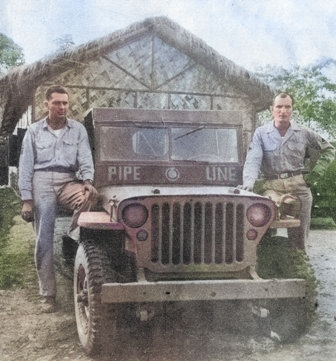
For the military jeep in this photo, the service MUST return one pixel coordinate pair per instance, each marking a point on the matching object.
(172, 224)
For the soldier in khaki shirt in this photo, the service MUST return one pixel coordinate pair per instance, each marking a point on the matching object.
(55, 151)
(278, 150)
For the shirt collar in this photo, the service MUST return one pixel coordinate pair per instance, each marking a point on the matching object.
(271, 128)
(295, 126)
(45, 123)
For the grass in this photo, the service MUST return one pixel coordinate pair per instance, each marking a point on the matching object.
(9, 207)
(322, 223)
(16, 242)
(277, 260)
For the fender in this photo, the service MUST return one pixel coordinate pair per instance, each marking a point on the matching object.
(99, 221)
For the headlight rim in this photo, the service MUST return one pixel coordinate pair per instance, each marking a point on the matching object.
(130, 220)
(259, 222)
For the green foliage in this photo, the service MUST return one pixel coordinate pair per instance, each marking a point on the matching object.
(10, 270)
(277, 260)
(322, 223)
(324, 194)
(313, 91)
(13, 257)
(10, 54)
(9, 207)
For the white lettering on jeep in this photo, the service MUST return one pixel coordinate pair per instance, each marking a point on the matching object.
(216, 173)
(124, 173)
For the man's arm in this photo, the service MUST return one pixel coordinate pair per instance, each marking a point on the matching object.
(26, 167)
(85, 162)
(84, 157)
(25, 182)
(253, 162)
(326, 156)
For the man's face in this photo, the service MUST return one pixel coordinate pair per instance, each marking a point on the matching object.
(57, 106)
(282, 111)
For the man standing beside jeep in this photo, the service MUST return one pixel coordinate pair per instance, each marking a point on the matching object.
(278, 149)
(55, 169)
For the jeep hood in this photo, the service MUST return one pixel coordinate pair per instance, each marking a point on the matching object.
(120, 193)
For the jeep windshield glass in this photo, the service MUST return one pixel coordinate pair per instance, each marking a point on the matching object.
(134, 143)
(198, 144)
(205, 144)
(151, 142)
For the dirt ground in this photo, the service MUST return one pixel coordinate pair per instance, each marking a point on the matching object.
(25, 334)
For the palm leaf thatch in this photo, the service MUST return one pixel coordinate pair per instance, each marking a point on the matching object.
(18, 87)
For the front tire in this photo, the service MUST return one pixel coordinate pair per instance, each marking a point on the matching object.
(96, 322)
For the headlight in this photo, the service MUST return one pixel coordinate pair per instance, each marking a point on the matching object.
(134, 215)
(258, 214)
(251, 234)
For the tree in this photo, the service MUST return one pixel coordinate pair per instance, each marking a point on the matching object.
(11, 54)
(313, 91)
(324, 194)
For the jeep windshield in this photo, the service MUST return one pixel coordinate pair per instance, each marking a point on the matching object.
(147, 143)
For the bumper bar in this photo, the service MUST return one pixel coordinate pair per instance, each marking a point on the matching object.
(202, 290)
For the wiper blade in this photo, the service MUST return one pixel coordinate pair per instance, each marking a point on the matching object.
(190, 132)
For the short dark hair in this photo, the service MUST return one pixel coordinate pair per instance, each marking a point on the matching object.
(284, 95)
(56, 89)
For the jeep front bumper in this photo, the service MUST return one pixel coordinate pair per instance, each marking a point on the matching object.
(202, 290)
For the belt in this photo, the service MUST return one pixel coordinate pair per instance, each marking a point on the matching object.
(284, 175)
(57, 169)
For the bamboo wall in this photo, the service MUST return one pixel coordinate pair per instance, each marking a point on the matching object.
(147, 73)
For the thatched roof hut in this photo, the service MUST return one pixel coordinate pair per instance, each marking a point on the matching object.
(151, 64)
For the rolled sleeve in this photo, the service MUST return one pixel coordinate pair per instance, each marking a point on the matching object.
(253, 161)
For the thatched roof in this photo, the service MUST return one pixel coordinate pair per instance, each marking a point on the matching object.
(17, 88)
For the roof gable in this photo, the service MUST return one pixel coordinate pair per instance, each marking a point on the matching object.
(179, 52)
(150, 67)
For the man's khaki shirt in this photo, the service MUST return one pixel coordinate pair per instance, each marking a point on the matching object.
(272, 154)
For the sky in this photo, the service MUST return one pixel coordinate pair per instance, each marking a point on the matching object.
(251, 33)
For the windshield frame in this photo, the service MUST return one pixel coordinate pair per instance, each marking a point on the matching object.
(191, 129)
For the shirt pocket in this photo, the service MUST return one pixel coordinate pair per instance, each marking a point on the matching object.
(70, 151)
(297, 148)
(44, 150)
(269, 145)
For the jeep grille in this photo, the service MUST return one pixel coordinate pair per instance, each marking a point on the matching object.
(197, 232)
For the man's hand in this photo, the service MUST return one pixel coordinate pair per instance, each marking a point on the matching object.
(90, 188)
(247, 186)
(27, 212)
